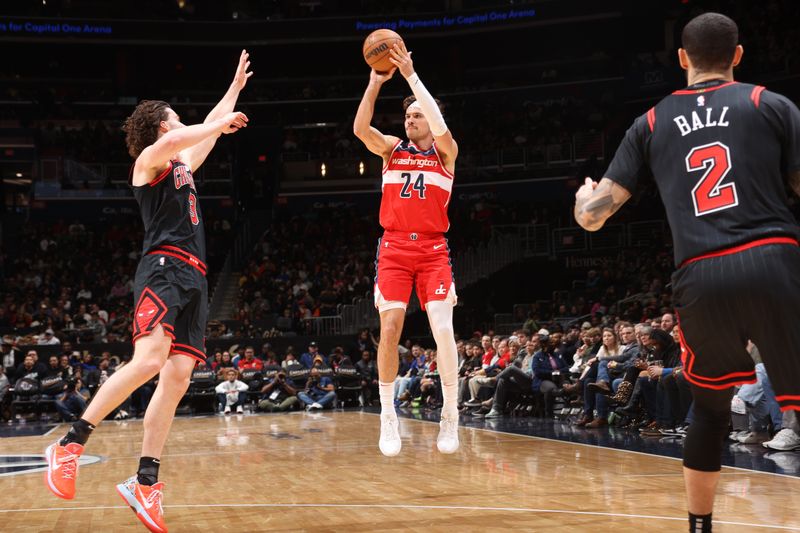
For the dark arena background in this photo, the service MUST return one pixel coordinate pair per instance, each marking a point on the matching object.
(538, 96)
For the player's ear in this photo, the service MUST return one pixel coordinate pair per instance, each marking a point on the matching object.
(163, 127)
(683, 59)
(737, 55)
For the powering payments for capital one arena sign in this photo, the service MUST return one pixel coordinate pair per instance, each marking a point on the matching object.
(448, 21)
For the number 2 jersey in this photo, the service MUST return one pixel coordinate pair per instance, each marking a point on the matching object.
(416, 190)
(173, 224)
(720, 153)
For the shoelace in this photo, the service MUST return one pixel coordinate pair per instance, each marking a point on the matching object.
(449, 426)
(388, 428)
(68, 465)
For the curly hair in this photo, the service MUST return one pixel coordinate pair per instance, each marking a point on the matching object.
(411, 99)
(141, 128)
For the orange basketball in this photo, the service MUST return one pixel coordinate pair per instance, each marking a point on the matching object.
(376, 49)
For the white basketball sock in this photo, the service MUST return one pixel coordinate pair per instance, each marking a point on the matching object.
(386, 391)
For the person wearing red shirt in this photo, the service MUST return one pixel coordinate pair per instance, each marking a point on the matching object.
(250, 362)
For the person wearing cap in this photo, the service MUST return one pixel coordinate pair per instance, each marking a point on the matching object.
(48, 338)
(307, 359)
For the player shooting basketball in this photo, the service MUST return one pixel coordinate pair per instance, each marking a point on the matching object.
(413, 253)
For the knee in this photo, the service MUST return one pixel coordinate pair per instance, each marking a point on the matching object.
(148, 366)
(390, 332)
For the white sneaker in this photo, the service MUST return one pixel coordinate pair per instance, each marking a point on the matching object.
(447, 442)
(315, 405)
(239, 409)
(390, 442)
(785, 440)
(227, 409)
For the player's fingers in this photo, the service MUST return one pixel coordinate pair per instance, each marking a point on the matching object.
(394, 62)
(587, 181)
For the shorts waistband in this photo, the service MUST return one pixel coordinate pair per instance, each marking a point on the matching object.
(412, 235)
(183, 255)
(742, 247)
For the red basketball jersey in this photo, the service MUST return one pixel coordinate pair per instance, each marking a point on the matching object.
(416, 190)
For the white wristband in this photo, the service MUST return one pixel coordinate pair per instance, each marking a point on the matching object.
(428, 105)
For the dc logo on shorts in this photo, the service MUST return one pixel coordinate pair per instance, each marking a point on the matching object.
(441, 289)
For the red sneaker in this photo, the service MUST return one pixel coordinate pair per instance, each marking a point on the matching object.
(145, 502)
(62, 468)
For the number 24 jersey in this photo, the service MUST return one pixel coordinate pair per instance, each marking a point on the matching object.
(416, 190)
(720, 153)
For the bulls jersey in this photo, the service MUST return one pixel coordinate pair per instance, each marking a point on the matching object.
(416, 190)
(171, 215)
(720, 152)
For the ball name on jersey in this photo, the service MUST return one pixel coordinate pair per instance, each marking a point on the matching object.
(710, 120)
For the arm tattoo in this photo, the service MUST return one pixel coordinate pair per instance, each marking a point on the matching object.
(592, 212)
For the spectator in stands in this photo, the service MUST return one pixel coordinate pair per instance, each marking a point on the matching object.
(364, 341)
(319, 392)
(53, 381)
(468, 370)
(223, 365)
(591, 398)
(27, 369)
(288, 360)
(368, 373)
(512, 382)
(666, 357)
(759, 399)
(278, 394)
(67, 369)
(307, 359)
(231, 393)
(667, 322)
(5, 398)
(610, 351)
(549, 370)
(48, 338)
(88, 363)
(409, 362)
(71, 403)
(249, 362)
(486, 377)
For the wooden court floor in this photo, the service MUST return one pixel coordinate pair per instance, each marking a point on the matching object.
(323, 472)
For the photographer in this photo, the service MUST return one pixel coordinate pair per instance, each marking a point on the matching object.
(319, 391)
(278, 395)
(71, 404)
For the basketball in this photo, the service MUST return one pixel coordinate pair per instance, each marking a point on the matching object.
(376, 49)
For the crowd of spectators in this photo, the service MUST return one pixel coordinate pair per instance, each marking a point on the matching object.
(74, 281)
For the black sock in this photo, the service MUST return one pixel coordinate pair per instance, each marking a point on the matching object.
(79, 432)
(700, 523)
(148, 470)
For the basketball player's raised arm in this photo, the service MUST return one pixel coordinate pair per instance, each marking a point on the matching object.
(445, 143)
(155, 157)
(197, 154)
(596, 202)
(375, 141)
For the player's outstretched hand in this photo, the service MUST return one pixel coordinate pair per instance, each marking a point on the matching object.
(401, 58)
(242, 75)
(381, 77)
(585, 192)
(234, 121)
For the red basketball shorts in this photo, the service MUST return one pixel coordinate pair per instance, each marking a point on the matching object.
(407, 260)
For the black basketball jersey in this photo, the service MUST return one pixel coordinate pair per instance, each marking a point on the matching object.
(171, 213)
(720, 152)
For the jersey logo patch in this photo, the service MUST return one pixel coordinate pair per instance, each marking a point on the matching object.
(149, 312)
(701, 100)
(441, 290)
(183, 176)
